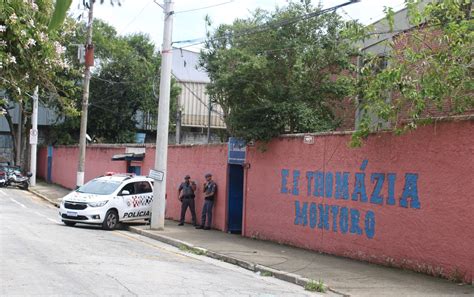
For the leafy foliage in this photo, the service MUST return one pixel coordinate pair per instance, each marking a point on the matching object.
(59, 14)
(430, 66)
(122, 86)
(32, 56)
(279, 71)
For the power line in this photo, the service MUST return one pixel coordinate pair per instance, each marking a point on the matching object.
(120, 82)
(196, 95)
(198, 41)
(268, 26)
(205, 7)
(135, 18)
(303, 46)
(189, 40)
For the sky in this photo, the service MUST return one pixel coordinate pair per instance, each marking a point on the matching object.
(147, 17)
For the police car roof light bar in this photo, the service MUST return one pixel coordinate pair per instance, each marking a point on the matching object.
(111, 173)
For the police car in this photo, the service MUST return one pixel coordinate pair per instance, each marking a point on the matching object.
(108, 200)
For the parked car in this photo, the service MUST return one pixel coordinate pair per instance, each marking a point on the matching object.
(108, 200)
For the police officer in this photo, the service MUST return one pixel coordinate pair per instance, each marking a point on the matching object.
(186, 196)
(210, 189)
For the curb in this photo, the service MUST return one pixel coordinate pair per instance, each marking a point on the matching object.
(43, 197)
(279, 274)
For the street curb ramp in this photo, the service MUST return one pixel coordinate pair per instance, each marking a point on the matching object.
(282, 275)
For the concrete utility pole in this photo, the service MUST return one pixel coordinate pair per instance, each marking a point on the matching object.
(85, 102)
(34, 138)
(18, 134)
(178, 125)
(161, 156)
(209, 121)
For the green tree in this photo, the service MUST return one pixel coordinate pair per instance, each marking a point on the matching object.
(428, 66)
(59, 14)
(281, 71)
(31, 56)
(123, 86)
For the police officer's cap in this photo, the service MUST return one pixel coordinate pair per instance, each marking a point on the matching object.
(208, 175)
(187, 177)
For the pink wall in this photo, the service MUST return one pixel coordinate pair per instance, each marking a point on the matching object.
(98, 162)
(197, 161)
(193, 160)
(420, 218)
(431, 169)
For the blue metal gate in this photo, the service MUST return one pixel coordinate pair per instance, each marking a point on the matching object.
(235, 196)
(50, 164)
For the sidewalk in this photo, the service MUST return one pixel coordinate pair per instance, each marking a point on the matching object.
(52, 193)
(344, 276)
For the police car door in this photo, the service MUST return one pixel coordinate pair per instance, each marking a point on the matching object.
(145, 194)
(130, 204)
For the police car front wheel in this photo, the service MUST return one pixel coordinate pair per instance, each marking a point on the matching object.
(110, 220)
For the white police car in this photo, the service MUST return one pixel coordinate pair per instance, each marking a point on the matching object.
(108, 200)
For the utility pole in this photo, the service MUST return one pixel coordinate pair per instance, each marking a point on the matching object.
(178, 125)
(34, 138)
(161, 155)
(209, 122)
(85, 99)
(18, 134)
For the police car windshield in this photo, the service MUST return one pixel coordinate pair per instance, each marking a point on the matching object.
(99, 187)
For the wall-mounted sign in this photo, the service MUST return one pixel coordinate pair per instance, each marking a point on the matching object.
(236, 151)
(135, 150)
(33, 136)
(156, 175)
(308, 139)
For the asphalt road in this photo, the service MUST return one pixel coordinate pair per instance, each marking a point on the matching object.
(39, 256)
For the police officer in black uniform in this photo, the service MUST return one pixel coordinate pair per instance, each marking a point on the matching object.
(209, 189)
(186, 196)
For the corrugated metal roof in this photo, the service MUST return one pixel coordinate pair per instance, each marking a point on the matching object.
(184, 67)
(193, 102)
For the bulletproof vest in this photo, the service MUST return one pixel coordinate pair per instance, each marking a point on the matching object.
(187, 190)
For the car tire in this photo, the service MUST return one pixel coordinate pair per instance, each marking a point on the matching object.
(70, 224)
(111, 220)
